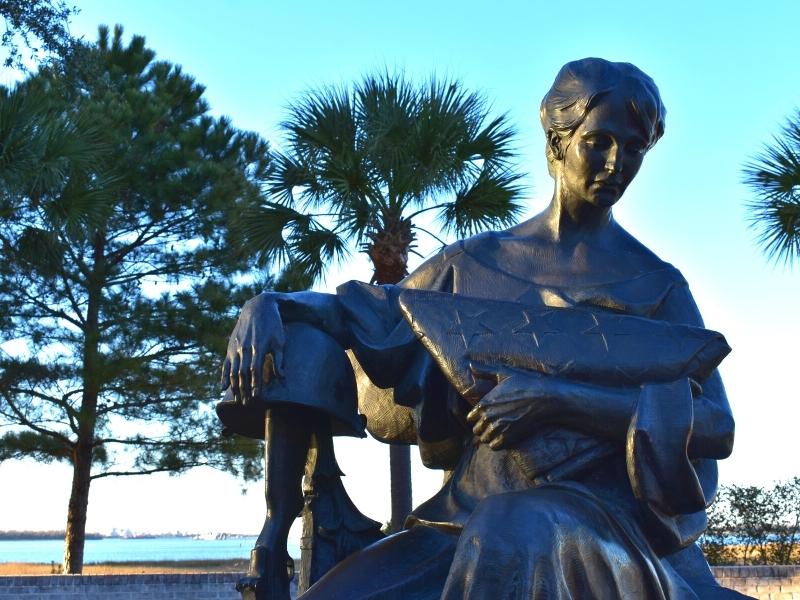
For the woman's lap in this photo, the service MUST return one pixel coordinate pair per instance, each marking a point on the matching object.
(552, 542)
(410, 565)
(556, 541)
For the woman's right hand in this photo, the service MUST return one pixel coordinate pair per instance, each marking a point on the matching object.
(255, 348)
(521, 402)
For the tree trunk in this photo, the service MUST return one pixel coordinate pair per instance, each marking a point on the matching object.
(76, 513)
(87, 416)
(400, 470)
(388, 249)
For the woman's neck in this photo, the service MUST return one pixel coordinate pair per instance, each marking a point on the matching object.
(567, 216)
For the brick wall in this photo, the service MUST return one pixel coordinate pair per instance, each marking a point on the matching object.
(198, 586)
(764, 583)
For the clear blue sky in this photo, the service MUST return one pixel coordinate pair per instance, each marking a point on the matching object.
(728, 73)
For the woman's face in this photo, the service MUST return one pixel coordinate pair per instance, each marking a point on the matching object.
(604, 153)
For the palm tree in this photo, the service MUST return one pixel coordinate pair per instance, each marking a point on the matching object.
(361, 164)
(774, 176)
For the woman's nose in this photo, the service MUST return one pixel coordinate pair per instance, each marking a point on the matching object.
(614, 159)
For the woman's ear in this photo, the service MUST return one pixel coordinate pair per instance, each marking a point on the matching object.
(554, 142)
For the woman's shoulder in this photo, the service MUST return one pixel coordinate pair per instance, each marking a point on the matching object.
(432, 273)
(484, 241)
(647, 261)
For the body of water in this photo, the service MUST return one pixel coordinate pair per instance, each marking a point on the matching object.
(142, 549)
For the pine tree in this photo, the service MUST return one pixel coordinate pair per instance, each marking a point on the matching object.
(119, 201)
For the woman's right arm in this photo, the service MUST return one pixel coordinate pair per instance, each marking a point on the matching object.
(255, 347)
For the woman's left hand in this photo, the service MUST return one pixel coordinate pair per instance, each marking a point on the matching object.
(519, 404)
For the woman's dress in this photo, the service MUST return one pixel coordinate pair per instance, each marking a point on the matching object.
(595, 523)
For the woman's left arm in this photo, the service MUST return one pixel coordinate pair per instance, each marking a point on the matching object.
(713, 425)
(521, 402)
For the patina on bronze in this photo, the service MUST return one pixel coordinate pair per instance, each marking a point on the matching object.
(571, 391)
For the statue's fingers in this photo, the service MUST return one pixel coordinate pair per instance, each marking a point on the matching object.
(226, 374)
(234, 378)
(267, 369)
(510, 435)
(254, 380)
(475, 414)
(491, 431)
(480, 426)
(499, 442)
(256, 370)
(246, 374)
(243, 377)
(243, 396)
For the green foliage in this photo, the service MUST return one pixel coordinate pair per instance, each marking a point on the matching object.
(120, 199)
(774, 177)
(754, 525)
(361, 163)
(32, 22)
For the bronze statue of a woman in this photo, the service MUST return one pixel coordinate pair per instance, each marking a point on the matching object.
(566, 483)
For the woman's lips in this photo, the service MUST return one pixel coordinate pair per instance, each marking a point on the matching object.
(605, 185)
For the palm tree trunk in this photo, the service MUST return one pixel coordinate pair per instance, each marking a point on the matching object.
(388, 251)
(400, 472)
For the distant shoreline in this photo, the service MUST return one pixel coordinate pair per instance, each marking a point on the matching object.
(41, 535)
(15, 536)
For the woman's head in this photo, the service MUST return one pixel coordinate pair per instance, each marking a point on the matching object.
(582, 84)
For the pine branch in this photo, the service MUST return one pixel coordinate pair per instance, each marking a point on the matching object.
(60, 402)
(23, 420)
(148, 471)
(48, 310)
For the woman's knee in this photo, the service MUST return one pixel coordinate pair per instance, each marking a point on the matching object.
(523, 519)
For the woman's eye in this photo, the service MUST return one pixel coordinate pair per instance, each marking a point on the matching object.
(635, 148)
(598, 142)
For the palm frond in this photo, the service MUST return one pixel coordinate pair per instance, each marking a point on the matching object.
(489, 202)
(362, 157)
(288, 174)
(774, 177)
(455, 144)
(445, 120)
(313, 247)
(345, 177)
(264, 231)
(325, 139)
(387, 107)
(294, 277)
(323, 121)
(492, 144)
(355, 214)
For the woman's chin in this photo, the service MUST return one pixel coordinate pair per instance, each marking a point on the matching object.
(604, 198)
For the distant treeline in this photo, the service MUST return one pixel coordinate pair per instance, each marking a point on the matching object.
(41, 535)
(752, 525)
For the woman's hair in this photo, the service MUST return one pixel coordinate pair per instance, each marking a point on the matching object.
(581, 84)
